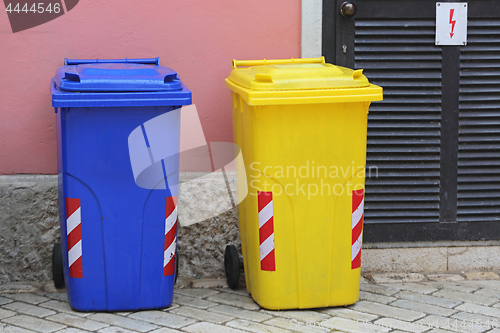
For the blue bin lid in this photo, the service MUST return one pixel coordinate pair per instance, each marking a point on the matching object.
(121, 82)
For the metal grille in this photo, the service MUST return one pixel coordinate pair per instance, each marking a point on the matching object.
(404, 129)
(479, 132)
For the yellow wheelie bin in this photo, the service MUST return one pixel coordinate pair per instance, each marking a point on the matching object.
(301, 126)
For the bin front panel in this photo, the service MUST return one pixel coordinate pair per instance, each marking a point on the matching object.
(310, 158)
(122, 224)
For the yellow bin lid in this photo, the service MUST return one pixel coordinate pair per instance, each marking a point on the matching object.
(299, 81)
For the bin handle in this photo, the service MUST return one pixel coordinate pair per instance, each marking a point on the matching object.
(144, 61)
(236, 63)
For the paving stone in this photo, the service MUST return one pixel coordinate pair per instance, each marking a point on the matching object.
(77, 330)
(198, 293)
(117, 320)
(458, 286)
(194, 302)
(235, 300)
(422, 307)
(60, 296)
(387, 311)
(28, 309)
(210, 328)
(436, 323)
(489, 292)
(466, 297)
(165, 330)
(448, 303)
(63, 307)
(386, 290)
(448, 324)
(75, 321)
(4, 300)
(423, 297)
(349, 314)
(6, 313)
(209, 283)
(125, 313)
(481, 276)
(29, 298)
(495, 330)
(171, 307)
(115, 329)
(4, 328)
(302, 315)
(467, 319)
(402, 325)
(239, 291)
(162, 318)
(421, 287)
(398, 277)
(445, 277)
(296, 326)
(479, 309)
(364, 296)
(254, 327)
(240, 313)
(352, 326)
(34, 324)
(492, 284)
(202, 315)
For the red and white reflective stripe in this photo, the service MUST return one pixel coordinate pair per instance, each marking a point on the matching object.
(170, 237)
(266, 231)
(74, 232)
(358, 201)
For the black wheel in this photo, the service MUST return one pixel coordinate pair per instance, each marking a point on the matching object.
(57, 266)
(176, 266)
(232, 266)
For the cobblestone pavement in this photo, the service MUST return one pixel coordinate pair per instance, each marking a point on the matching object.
(391, 302)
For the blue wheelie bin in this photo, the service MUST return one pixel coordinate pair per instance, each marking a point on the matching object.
(118, 138)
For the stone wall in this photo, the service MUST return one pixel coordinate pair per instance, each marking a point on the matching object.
(29, 226)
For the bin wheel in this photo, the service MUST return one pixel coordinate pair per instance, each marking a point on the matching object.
(57, 266)
(176, 266)
(232, 267)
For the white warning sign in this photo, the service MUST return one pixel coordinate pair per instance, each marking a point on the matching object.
(451, 23)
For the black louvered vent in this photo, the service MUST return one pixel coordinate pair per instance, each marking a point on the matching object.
(479, 133)
(404, 129)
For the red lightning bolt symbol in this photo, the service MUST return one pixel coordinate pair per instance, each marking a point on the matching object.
(452, 22)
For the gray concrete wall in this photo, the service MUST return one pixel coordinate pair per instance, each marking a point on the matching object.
(29, 226)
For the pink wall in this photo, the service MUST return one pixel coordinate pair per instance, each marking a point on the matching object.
(196, 38)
